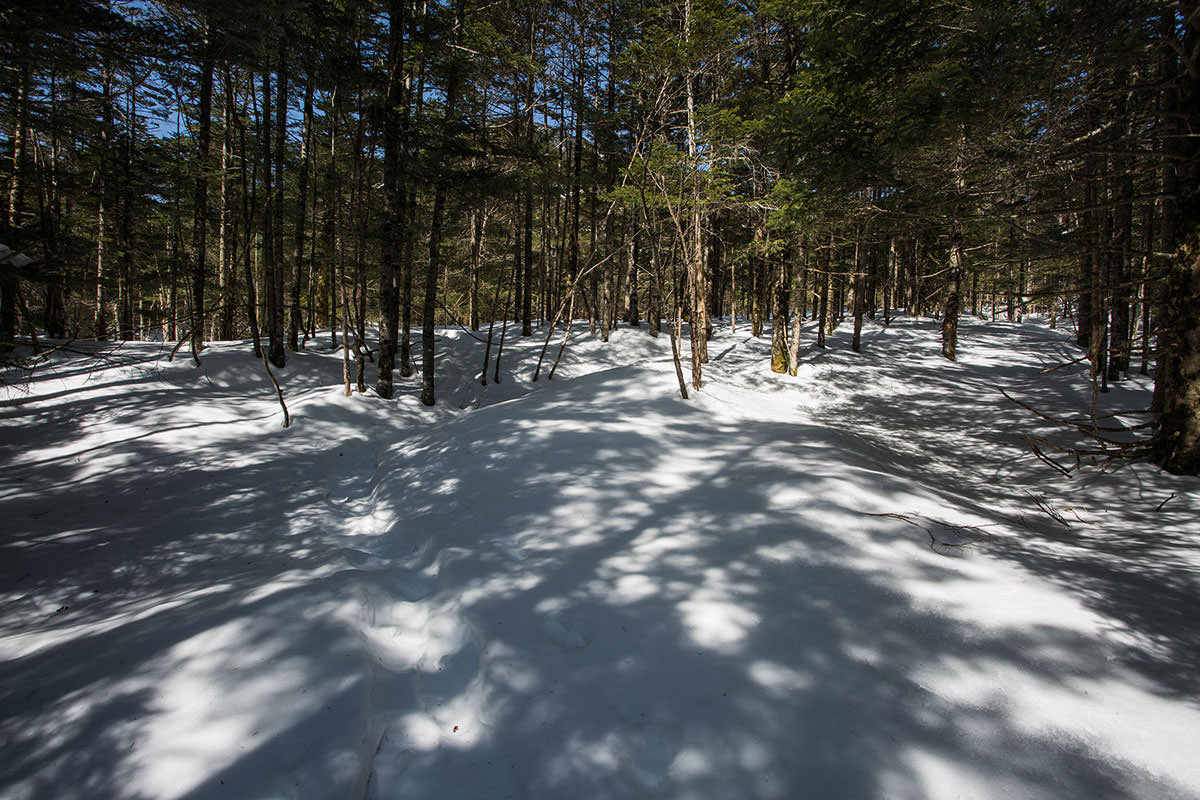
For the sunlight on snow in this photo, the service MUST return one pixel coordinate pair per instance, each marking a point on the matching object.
(216, 694)
(780, 680)
(595, 589)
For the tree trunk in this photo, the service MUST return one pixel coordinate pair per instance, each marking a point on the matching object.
(9, 286)
(858, 287)
(1098, 337)
(1083, 329)
(779, 325)
(527, 277)
(694, 247)
(1120, 273)
(633, 317)
(127, 302)
(200, 219)
(441, 184)
(823, 303)
(100, 320)
(272, 279)
(1177, 375)
(278, 355)
(953, 306)
(478, 220)
(406, 289)
(249, 201)
(295, 318)
(395, 192)
(333, 241)
(225, 247)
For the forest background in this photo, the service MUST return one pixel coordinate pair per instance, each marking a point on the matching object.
(200, 171)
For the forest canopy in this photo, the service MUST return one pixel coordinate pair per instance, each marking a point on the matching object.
(275, 171)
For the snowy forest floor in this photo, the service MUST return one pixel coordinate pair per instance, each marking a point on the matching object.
(853, 583)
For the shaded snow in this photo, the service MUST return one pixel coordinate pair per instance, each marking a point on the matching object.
(842, 584)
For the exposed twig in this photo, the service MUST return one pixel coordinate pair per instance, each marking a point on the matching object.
(1073, 362)
(455, 320)
(1045, 459)
(1050, 512)
(1109, 448)
(934, 542)
(1164, 502)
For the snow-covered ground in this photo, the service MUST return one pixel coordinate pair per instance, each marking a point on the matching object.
(853, 583)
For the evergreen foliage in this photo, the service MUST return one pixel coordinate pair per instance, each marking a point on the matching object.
(221, 170)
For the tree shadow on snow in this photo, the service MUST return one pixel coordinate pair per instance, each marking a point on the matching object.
(550, 603)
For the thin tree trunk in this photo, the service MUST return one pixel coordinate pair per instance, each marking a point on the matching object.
(126, 305)
(858, 287)
(249, 178)
(272, 280)
(441, 185)
(295, 320)
(200, 220)
(278, 354)
(779, 325)
(527, 278)
(953, 306)
(478, 221)
(508, 302)
(225, 245)
(395, 191)
(698, 323)
(100, 320)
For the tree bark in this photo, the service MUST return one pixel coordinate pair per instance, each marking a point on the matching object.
(395, 191)
(953, 305)
(278, 355)
(527, 225)
(272, 279)
(858, 288)
(779, 325)
(1177, 424)
(441, 185)
(225, 246)
(823, 303)
(200, 219)
(697, 306)
(100, 320)
(249, 201)
(295, 318)
(1177, 375)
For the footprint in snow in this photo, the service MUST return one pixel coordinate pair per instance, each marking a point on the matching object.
(649, 755)
(414, 586)
(511, 551)
(561, 634)
(361, 559)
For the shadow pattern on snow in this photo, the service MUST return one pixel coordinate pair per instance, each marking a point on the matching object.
(595, 591)
(1116, 550)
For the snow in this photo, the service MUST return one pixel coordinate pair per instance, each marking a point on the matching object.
(847, 583)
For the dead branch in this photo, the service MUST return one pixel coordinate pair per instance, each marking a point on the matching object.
(1045, 459)
(1164, 502)
(1050, 512)
(975, 531)
(1071, 363)
(1087, 428)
